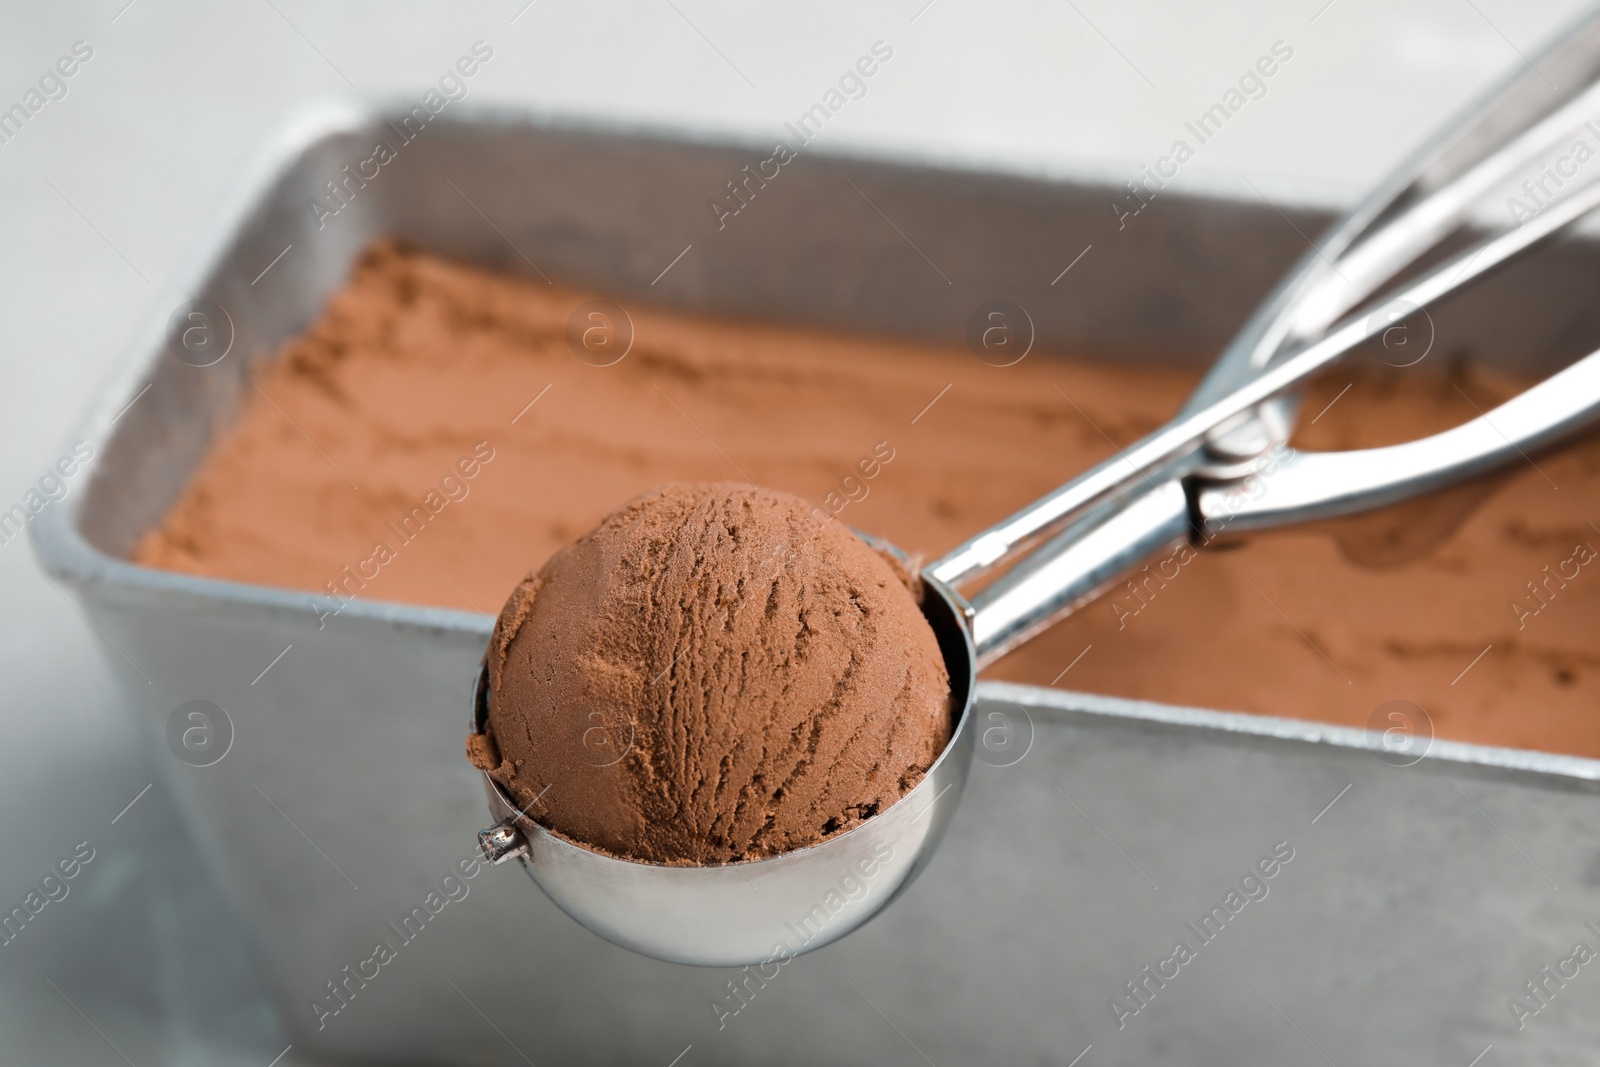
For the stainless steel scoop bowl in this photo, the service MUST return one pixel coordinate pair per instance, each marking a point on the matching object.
(1222, 466)
(739, 913)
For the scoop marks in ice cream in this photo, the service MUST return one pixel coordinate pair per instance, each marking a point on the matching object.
(712, 675)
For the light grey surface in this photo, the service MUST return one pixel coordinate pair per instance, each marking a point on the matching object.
(109, 188)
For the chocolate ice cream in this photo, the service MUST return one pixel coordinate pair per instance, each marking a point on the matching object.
(418, 360)
(715, 673)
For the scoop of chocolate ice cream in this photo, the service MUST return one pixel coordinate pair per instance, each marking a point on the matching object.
(713, 674)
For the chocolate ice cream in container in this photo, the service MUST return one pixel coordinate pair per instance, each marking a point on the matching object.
(355, 731)
(1432, 228)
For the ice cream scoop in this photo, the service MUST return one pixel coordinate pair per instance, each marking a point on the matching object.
(716, 673)
(1221, 465)
(727, 914)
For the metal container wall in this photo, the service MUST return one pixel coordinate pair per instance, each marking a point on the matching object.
(1411, 912)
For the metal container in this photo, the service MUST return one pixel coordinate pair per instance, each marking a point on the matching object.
(1414, 904)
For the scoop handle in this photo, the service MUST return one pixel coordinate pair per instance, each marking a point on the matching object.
(1181, 441)
(1501, 136)
(1187, 509)
(1309, 321)
(1309, 486)
(1077, 565)
(1080, 560)
(1154, 495)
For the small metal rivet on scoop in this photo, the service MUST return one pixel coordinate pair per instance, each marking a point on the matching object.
(501, 843)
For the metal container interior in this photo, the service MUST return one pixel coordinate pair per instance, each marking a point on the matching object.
(1412, 909)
